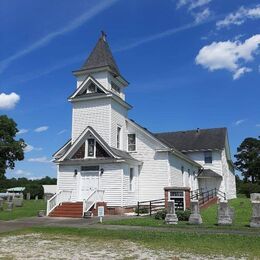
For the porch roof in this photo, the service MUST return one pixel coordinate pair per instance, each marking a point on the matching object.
(208, 173)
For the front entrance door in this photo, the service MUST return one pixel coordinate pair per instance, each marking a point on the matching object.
(89, 183)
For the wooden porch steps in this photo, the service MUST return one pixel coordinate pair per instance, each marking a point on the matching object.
(68, 209)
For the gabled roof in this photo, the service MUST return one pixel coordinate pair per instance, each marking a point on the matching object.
(195, 140)
(66, 154)
(89, 79)
(165, 146)
(208, 173)
(101, 56)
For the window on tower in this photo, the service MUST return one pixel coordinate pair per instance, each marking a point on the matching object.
(92, 88)
(115, 88)
(118, 137)
(131, 142)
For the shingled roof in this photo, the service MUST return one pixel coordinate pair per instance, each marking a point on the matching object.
(101, 56)
(195, 140)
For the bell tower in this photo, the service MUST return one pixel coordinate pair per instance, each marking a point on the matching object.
(99, 99)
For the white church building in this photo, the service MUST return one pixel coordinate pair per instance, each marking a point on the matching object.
(111, 159)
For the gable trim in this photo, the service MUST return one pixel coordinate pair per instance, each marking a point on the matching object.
(84, 83)
(78, 143)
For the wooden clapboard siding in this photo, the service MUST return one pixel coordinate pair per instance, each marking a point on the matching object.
(94, 113)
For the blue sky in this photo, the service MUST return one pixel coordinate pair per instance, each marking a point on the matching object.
(190, 63)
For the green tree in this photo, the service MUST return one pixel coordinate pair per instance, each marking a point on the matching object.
(248, 159)
(11, 150)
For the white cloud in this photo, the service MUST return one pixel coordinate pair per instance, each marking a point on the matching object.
(202, 16)
(240, 121)
(257, 125)
(239, 17)
(43, 159)
(36, 178)
(22, 131)
(8, 101)
(240, 72)
(62, 132)
(30, 148)
(22, 173)
(74, 24)
(41, 129)
(229, 55)
(192, 4)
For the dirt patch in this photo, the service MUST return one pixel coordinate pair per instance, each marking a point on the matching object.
(41, 246)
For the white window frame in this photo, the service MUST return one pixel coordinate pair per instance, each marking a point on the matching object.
(119, 137)
(208, 152)
(128, 142)
(178, 197)
(131, 179)
(86, 148)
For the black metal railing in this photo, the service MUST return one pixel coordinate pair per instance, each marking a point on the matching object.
(205, 196)
(150, 206)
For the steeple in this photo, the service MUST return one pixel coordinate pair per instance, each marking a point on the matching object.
(101, 56)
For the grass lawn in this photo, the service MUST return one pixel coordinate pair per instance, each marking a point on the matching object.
(243, 211)
(205, 244)
(30, 208)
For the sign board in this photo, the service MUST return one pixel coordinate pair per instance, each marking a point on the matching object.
(101, 211)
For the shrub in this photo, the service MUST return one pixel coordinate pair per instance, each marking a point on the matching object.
(161, 214)
(247, 188)
(142, 211)
(183, 215)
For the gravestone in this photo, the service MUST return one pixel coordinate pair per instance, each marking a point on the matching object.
(255, 219)
(41, 213)
(10, 205)
(28, 196)
(255, 197)
(18, 202)
(195, 217)
(36, 197)
(1, 204)
(171, 217)
(225, 213)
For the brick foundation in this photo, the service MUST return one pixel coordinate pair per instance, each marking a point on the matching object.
(111, 210)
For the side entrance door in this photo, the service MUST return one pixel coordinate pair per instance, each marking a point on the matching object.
(89, 183)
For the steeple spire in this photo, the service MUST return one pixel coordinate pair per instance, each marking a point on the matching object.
(101, 56)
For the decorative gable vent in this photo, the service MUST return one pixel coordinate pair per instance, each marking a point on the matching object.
(90, 89)
(97, 151)
(80, 154)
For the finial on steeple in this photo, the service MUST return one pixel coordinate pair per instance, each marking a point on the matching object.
(103, 35)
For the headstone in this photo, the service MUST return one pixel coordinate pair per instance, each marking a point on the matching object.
(41, 213)
(28, 196)
(36, 197)
(18, 202)
(255, 219)
(1, 204)
(255, 197)
(171, 217)
(10, 206)
(225, 213)
(195, 217)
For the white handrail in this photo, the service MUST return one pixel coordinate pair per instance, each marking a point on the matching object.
(57, 199)
(93, 198)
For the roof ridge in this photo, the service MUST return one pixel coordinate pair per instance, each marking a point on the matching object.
(191, 130)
